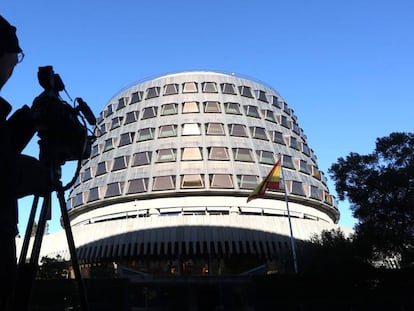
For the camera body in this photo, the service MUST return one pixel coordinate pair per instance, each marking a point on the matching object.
(63, 137)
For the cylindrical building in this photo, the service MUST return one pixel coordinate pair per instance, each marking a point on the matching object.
(176, 157)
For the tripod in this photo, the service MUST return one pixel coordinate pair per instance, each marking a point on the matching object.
(27, 270)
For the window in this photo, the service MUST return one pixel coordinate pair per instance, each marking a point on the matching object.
(215, 129)
(304, 167)
(232, 108)
(116, 122)
(284, 121)
(237, 130)
(221, 181)
(209, 87)
(191, 154)
(109, 144)
(136, 97)
(191, 129)
(327, 198)
(258, 132)
(137, 185)
(192, 181)
(287, 162)
(190, 107)
(149, 112)
(153, 92)
(261, 95)
(170, 89)
(228, 88)
(126, 139)
(316, 173)
(79, 199)
(142, 158)
(168, 109)
(167, 131)
(190, 87)
(87, 175)
(163, 183)
(166, 155)
(295, 128)
(145, 134)
(131, 117)
(247, 181)
(94, 151)
(245, 91)
(294, 143)
(242, 154)
(121, 103)
(94, 194)
(265, 157)
(297, 188)
(315, 193)
(218, 153)
(278, 137)
(109, 111)
(120, 163)
(305, 149)
(101, 169)
(252, 111)
(286, 108)
(275, 101)
(268, 115)
(212, 106)
(113, 189)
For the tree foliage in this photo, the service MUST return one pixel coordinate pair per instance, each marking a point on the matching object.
(380, 189)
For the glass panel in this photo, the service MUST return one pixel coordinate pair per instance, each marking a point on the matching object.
(221, 181)
(170, 89)
(189, 107)
(116, 122)
(209, 87)
(163, 183)
(191, 153)
(191, 129)
(101, 169)
(228, 88)
(142, 158)
(93, 194)
(295, 128)
(218, 153)
(315, 193)
(109, 111)
(232, 108)
(287, 162)
(113, 189)
(269, 116)
(265, 157)
(278, 138)
(247, 181)
(245, 91)
(305, 149)
(252, 111)
(131, 116)
(294, 143)
(258, 132)
(78, 199)
(136, 97)
(304, 167)
(167, 131)
(192, 181)
(275, 102)
(190, 87)
(126, 139)
(166, 155)
(145, 134)
(285, 122)
(108, 144)
(153, 92)
(120, 163)
(215, 129)
(95, 151)
(237, 130)
(86, 175)
(169, 109)
(261, 95)
(297, 188)
(212, 106)
(149, 112)
(138, 185)
(242, 154)
(121, 103)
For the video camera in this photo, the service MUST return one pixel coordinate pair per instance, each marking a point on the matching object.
(61, 128)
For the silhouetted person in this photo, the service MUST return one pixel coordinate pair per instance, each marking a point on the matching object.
(20, 175)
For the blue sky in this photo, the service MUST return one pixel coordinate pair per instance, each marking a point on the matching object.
(345, 67)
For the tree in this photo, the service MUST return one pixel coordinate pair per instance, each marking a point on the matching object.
(380, 189)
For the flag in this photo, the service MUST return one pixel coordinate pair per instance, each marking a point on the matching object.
(272, 182)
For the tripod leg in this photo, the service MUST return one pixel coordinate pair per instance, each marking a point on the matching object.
(29, 229)
(72, 250)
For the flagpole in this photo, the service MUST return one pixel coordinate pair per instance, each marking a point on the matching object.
(292, 241)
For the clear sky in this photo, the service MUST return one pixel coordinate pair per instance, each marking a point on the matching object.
(346, 67)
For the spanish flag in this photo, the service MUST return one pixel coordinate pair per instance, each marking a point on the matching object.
(272, 182)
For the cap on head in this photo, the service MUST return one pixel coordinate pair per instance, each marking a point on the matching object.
(9, 43)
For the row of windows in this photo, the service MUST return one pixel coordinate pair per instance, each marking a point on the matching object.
(196, 154)
(194, 87)
(193, 181)
(193, 107)
(196, 129)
